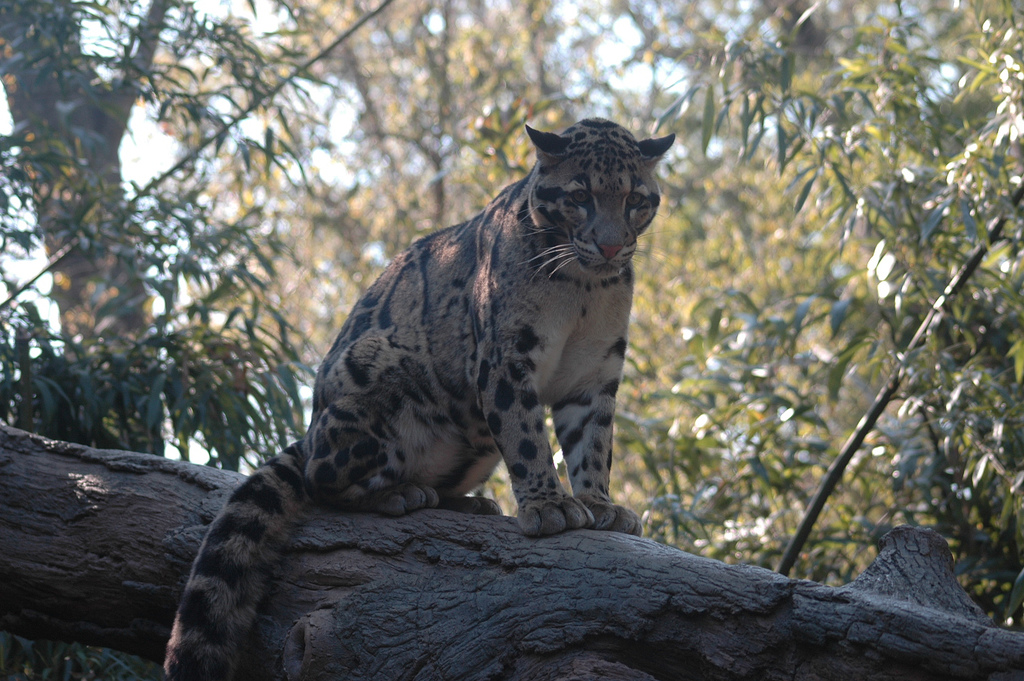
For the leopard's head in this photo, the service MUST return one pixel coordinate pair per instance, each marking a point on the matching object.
(594, 185)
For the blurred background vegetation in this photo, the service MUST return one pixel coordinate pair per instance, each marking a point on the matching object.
(838, 163)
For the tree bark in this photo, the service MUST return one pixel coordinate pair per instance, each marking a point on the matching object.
(95, 546)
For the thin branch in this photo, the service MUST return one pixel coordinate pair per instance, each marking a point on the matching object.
(210, 139)
(54, 260)
(258, 101)
(885, 395)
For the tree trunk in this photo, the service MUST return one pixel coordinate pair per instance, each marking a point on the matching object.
(96, 546)
(53, 91)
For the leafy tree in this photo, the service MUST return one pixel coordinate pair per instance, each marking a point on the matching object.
(166, 333)
(892, 153)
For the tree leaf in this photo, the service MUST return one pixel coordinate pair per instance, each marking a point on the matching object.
(933, 219)
(708, 121)
(1016, 596)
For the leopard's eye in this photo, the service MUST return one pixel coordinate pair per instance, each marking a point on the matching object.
(580, 195)
(635, 199)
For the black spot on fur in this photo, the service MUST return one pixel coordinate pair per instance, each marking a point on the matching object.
(573, 438)
(604, 420)
(365, 450)
(357, 371)
(516, 372)
(527, 450)
(322, 449)
(228, 526)
(485, 372)
(581, 400)
(288, 476)
(619, 348)
(340, 414)
(360, 324)
(194, 613)
(494, 423)
(256, 491)
(325, 475)
(519, 471)
(504, 395)
(384, 314)
(211, 563)
(527, 340)
(528, 399)
(342, 458)
(610, 388)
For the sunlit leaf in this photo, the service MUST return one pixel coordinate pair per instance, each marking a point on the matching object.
(934, 218)
(708, 120)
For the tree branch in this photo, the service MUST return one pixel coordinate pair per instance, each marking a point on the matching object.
(867, 423)
(96, 546)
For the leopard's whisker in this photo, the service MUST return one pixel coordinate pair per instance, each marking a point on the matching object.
(560, 266)
(548, 251)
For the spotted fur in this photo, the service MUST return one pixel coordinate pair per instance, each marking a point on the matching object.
(444, 367)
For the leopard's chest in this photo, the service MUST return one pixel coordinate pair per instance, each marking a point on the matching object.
(585, 332)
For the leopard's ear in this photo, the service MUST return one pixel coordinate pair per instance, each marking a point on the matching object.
(654, 148)
(550, 146)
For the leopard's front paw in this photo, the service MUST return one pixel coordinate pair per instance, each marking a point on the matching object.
(472, 505)
(402, 499)
(609, 516)
(550, 516)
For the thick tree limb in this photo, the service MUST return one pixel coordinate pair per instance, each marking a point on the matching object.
(95, 545)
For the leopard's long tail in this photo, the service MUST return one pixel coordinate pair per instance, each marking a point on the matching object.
(231, 573)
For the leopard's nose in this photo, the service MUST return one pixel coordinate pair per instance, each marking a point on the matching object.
(609, 250)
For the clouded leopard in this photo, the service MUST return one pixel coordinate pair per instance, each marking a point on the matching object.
(444, 367)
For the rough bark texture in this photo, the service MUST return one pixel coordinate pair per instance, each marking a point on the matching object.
(95, 546)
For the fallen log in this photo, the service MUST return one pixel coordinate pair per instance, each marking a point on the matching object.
(95, 546)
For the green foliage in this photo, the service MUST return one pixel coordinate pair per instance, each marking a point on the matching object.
(24, 660)
(207, 357)
(891, 156)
